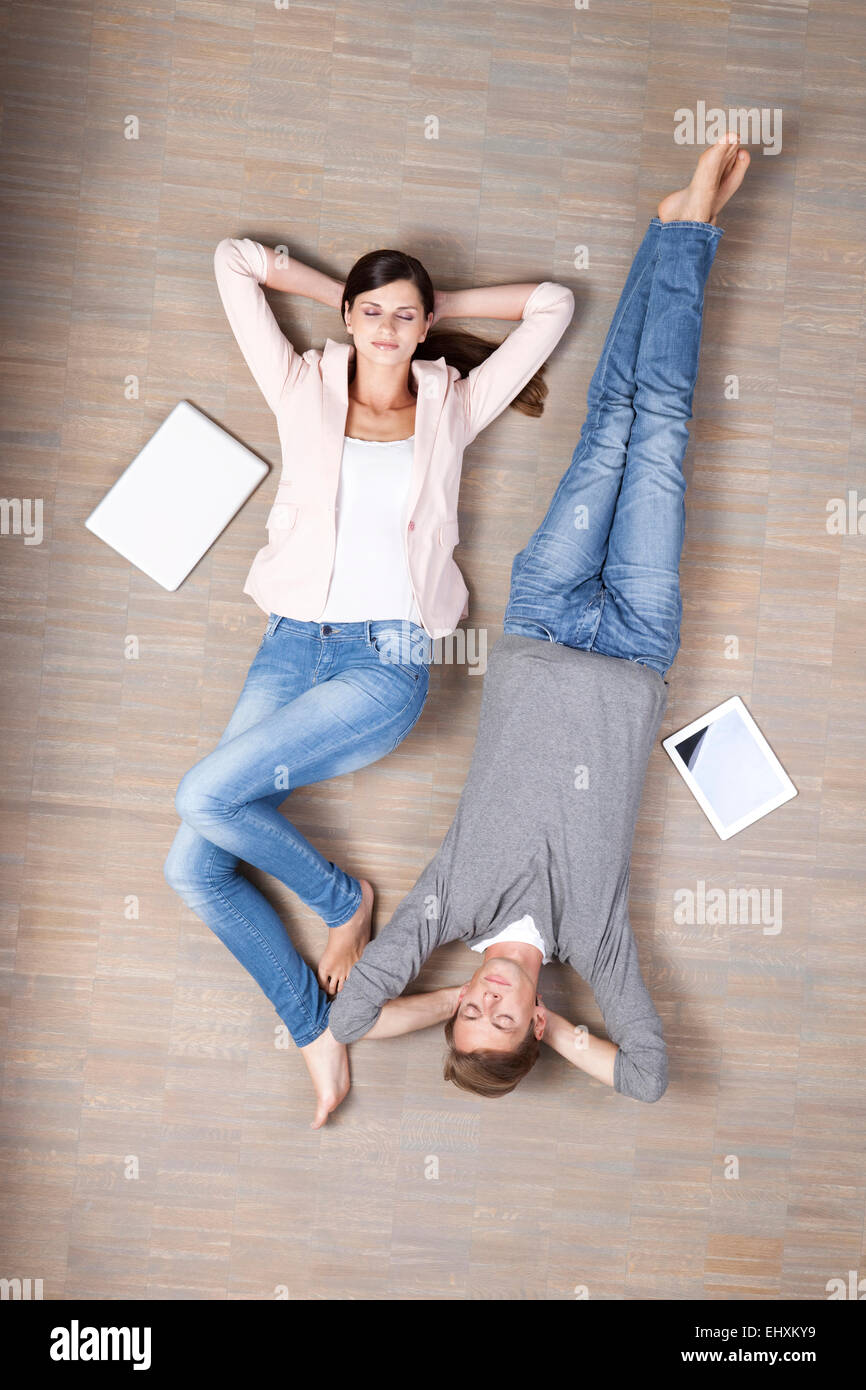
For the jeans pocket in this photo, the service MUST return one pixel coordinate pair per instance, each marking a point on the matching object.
(397, 646)
(530, 627)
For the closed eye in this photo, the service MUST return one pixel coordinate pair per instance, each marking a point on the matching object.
(471, 1017)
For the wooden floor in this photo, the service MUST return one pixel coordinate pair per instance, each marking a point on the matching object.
(155, 1142)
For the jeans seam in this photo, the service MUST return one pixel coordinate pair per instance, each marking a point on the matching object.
(523, 619)
(322, 1030)
(703, 226)
(537, 534)
(261, 939)
(408, 731)
(650, 265)
(416, 683)
(330, 925)
(415, 688)
(602, 593)
(229, 809)
(302, 850)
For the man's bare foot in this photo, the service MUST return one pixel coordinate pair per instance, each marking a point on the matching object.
(720, 172)
(328, 1064)
(345, 944)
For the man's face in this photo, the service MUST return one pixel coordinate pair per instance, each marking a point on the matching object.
(495, 1008)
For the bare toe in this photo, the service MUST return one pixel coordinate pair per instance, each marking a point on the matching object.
(732, 180)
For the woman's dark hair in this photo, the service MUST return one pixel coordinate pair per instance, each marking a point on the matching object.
(460, 349)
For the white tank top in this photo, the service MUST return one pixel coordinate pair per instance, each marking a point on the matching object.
(371, 576)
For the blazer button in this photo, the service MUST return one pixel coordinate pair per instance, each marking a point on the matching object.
(411, 526)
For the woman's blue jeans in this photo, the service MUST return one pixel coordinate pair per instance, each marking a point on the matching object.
(319, 699)
(601, 572)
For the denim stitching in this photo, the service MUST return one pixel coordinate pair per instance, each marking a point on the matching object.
(255, 931)
(408, 731)
(329, 925)
(650, 266)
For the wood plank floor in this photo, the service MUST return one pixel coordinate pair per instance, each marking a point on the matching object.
(155, 1141)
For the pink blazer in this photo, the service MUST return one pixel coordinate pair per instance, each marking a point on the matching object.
(308, 394)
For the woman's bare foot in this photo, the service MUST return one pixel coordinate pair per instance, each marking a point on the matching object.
(720, 172)
(328, 1064)
(345, 944)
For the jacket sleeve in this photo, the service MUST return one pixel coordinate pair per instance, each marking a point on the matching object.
(390, 961)
(241, 268)
(491, 386)
(630, 1017)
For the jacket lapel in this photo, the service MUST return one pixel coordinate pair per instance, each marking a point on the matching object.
(335, 408)
(430, 381)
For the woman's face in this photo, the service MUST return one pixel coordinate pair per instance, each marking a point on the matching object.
(388, 323)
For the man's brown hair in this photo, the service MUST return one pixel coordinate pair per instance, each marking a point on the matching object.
(486, 1072)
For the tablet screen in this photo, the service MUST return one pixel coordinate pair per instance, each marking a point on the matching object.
(731, 768)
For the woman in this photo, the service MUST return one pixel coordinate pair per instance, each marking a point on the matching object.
(357, 575)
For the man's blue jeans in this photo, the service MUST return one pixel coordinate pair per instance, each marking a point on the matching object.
(319, 699)
(601, 572)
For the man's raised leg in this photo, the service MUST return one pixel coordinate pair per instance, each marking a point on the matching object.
(641, 604)
(641, 613)
(554, 579)
(557, 588)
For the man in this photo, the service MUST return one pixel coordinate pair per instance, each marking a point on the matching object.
(535, 865)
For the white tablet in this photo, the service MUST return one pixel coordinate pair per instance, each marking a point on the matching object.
(730, 768)
(168, 507)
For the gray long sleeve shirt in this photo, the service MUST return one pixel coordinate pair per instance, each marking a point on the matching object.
(544, 826)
